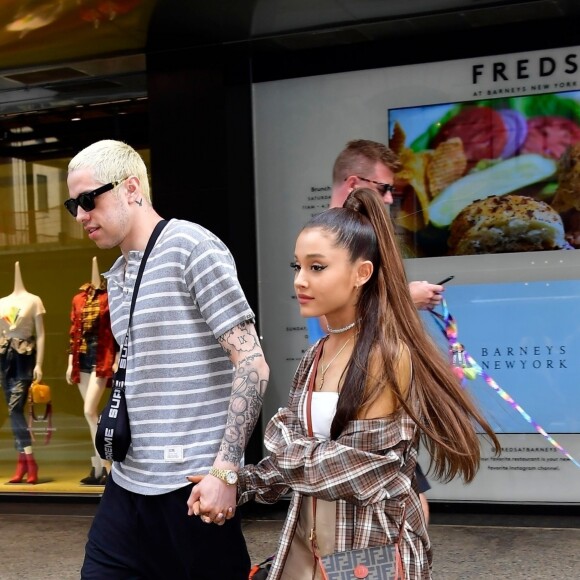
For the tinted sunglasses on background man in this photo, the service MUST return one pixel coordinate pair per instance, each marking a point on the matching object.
(382, 188)
(87, 200)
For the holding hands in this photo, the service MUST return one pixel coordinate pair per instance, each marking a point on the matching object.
(212, 499)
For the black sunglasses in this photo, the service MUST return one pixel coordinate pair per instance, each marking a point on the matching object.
(87, 200)
(382, 188)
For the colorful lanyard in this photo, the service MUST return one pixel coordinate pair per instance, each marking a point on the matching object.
(465, 367)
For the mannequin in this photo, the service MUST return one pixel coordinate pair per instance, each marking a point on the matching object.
(91, 359)
(21, 356)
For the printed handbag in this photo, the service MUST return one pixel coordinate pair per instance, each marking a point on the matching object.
(378, 563)
(113, 435)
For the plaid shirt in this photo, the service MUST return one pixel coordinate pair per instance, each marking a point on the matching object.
(368, 471)
(90, 314)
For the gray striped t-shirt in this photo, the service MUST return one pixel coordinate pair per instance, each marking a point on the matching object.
(179, 379)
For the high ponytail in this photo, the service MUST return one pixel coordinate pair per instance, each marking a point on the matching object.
(444, 412)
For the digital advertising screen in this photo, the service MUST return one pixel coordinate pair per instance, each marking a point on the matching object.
(536, 364)
(489, 176)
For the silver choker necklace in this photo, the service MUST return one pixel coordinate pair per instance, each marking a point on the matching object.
(340, 330)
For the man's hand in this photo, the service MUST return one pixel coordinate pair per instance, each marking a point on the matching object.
(211, 499)
(426, 295)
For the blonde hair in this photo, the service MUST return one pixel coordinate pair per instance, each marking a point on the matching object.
(360, 156)
(111, 160)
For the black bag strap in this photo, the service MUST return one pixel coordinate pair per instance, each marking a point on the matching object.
(119, 378)
(154, 235)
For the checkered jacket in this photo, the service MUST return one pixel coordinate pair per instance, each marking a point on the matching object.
(368, 471)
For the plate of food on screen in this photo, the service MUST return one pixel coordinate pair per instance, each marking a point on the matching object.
(490, 176)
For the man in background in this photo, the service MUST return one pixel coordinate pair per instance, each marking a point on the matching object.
(364, 163)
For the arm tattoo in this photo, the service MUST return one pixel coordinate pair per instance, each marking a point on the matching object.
(241, 341)
(247, 392)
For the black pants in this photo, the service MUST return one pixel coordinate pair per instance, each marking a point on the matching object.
(139, 537)
(422, 482)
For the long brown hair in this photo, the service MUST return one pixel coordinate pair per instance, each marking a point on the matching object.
(445, 413)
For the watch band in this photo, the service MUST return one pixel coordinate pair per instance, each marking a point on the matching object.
(228, 475)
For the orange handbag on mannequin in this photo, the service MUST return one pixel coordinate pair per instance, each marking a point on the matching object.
(40, 394)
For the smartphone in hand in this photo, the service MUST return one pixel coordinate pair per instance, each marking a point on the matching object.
(445, 280)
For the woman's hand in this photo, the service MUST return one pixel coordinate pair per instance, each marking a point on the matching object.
(194, 505)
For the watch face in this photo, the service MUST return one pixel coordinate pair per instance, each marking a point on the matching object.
(231, 477)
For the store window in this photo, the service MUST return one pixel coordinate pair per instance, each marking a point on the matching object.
(44, 251)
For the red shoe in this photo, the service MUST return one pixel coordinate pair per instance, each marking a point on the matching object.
(32, 469)
(21, 469)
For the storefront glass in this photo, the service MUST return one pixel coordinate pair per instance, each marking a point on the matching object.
(42, 246)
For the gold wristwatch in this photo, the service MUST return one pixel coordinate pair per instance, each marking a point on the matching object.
(228, 475)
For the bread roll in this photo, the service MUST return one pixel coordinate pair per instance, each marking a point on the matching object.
(507, 223)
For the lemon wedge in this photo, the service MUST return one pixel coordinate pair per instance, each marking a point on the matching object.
(499, 179)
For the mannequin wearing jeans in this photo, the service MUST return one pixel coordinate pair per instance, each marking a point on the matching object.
(21, 356)
(91, 359)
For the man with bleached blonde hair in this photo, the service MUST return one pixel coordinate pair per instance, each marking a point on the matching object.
(195, 381)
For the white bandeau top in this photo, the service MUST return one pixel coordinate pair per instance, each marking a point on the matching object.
(323, 411)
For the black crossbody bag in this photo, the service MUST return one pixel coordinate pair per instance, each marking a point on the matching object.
(113, 436)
